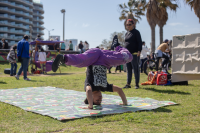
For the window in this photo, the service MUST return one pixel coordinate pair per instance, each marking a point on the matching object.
(4, 28)
(12, 29)
(3, 21)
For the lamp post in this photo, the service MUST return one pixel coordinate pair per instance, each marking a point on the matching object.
(49, 32)
(30, 32)
(63, 11)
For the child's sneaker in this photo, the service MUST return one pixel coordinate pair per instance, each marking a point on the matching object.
(27, 79)
(57, 62)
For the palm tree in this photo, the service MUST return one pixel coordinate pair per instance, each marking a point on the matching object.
(152, 18)
(163, 15)
(131, 11)
(162, 21)
(195, 4)
(157, 14)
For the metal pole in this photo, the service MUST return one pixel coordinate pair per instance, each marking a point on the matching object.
(64, 26)
(49, 35)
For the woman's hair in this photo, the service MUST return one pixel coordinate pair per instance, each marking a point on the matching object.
(3, 39)
(51, 39)
(14, 47)
(130, 20)
(42, 50)
(86, 42)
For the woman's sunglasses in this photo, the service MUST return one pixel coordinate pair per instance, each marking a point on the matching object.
(128, 24)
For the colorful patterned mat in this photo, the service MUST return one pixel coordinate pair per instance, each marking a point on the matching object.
(64, 104)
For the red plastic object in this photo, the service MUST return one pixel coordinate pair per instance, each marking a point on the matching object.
(162, 79)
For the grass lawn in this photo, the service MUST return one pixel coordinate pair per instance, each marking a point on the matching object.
(184, 117)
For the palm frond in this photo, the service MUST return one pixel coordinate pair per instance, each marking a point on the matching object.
(125, 6)
(121, 6)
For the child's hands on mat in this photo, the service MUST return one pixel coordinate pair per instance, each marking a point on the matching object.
(87, 107)
(123, 104)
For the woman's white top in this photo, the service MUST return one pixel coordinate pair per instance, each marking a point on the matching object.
(86, 46)
(42, 56)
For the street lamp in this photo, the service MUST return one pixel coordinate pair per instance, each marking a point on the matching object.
(30, 32)
(49, 32)
(63, 11)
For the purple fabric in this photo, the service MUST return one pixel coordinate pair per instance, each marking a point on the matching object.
(48, 65)
(99, 57)
(46, 42)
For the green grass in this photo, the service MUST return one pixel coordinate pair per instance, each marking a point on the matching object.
(184, 117)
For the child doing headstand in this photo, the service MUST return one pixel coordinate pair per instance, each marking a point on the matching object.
(97, 62)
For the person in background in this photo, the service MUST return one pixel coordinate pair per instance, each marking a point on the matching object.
(38, 39)
(133, 43)
(80, 46)
(35, 56)
(42, 59)
(57, 45)
(51, 47)
(23, 51)
(5, 44)
(161, 53)
(62, 46)
(71, 45)
(86, 46)
(143, 57)
(1, 45)
(118, 68)
(12, 60)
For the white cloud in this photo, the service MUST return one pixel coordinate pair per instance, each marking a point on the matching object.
(85, 25)
(175, 24)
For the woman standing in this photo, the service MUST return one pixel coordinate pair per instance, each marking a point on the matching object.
(42, 59)
(133, 43)
(12, 60)
(86, 46)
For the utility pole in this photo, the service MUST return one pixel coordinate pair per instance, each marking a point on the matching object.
(63, 11)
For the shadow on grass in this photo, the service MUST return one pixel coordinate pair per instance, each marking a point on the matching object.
(52, 74)
(1, 82)
(168, 91)
(161, 109)
(35, 81)
(56, 74)
(158, 110)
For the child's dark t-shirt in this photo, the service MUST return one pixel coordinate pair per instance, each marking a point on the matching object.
(96, 77)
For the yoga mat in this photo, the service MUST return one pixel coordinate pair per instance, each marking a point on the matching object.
(64, 104)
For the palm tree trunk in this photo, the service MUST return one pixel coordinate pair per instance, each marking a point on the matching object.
(152, 39)
(161, 34)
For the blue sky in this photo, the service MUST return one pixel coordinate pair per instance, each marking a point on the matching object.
(95, 20)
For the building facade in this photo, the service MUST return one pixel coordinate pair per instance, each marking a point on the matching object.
(16, 17)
